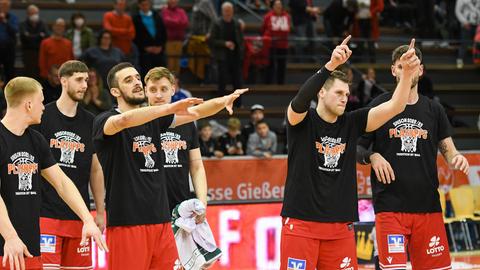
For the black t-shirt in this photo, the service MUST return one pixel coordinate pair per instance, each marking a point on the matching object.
(176, 145)
(226, 141)
(21, 160)
(409, 142)
(70, 141)
(207, 148)
(136, 191)
(321, 179)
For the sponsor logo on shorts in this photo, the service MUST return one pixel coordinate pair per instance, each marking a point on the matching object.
(47, 243)
(85, 249)
(434, 247)
(389, 259)
(296, 264)
(345, 265)
(396, 243)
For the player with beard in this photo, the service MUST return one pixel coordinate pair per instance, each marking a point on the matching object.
(320, 203)
(405, 181)
(127, 141)
(68, 129)
(25, 157)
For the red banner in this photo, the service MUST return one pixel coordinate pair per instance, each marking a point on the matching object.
(264, 179)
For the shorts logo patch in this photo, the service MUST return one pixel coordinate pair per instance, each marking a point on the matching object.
(296, 264)
(389, 259)
(345, 265)
(434, 247)
(396, 243)
(47, 243)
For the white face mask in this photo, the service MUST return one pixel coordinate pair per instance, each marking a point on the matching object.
(34, 18)
(79, 22)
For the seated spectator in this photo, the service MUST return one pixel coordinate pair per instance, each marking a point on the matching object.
(80, 34)
(230, 143)
(367, 88)
(96, 99)
(262, 143)
(103, 56)
(256, 115)
(52, 87)
(54, 50)
(207, 142)
(180, 93)
(32, 31)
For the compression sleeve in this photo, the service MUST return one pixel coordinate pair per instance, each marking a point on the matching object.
(308, 91)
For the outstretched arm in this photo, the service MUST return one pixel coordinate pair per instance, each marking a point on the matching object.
(297, 110)
(210, 107)
(143, 115)
(380, 114)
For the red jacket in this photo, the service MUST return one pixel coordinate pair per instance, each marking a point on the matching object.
(277, 28)
(176, 23)
(54, 52)
(122, 29)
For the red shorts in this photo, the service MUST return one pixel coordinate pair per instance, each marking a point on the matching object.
(141, 247)
(60, 245)
(422, 235)
(310, 245)
(34, 263)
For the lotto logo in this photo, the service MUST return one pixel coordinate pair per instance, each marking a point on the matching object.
(434, 247)
(48, 243)
(396, 243)
(346, 263)
(296, 264)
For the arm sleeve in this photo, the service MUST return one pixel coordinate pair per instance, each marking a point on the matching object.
(308, 91)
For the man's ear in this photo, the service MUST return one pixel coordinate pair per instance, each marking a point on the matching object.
(115, 92)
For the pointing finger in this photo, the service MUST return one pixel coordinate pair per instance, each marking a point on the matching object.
(346, 40)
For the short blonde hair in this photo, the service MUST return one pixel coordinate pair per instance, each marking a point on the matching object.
(20, 87)
(158, 73)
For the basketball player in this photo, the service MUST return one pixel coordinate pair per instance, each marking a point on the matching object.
(127, 141)
(68, 129)
(24, 156)
(405, 181)
(320, 203)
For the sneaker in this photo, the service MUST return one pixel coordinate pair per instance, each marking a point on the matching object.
(459, 63)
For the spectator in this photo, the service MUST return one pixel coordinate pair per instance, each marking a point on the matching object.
(150, 36)
(230, 143)
(338, 18)
(367, 88)
(256, 115)
(54, 50)
(8, 39)
(180, 93)
(203, 15)
(304, 16)
(32, 31)
(80, 34)
(262, 143)
(376, 7)
(364, 21)
(120, 25)
(227, 44)
(103, 56)
(96, 99)
(207, 142)
(277, 25)
(52, 88)
(468, 14)
(176, 22)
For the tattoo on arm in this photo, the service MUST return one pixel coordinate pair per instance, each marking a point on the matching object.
(443, 148)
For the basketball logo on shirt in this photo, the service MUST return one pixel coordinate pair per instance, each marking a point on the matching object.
(409, 131)
(171, 143)
(68, 143)
(23, 164)
(332, 149)
(144, 145)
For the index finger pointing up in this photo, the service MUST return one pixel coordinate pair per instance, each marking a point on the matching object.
(346, 40)
(412, 44)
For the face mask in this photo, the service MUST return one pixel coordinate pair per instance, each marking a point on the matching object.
(79, 22)
(34, 18)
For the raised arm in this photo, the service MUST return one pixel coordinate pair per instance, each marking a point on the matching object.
(297, 110)
(210, 107)
(97, 185)
(456, 160)
(14, 248)
(140, 116)
(380, 114)
(69, 193)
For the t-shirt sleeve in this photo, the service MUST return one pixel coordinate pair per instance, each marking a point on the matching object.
(445, 129)
(98, 136)
(195, 138)
(165, 122)
(358, 119)
(46, 158)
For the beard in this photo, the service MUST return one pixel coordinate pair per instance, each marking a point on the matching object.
(414, 81)
(76, 97)
(132, 100)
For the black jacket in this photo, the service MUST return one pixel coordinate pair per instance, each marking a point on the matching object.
(142, 36)
(217, 39)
